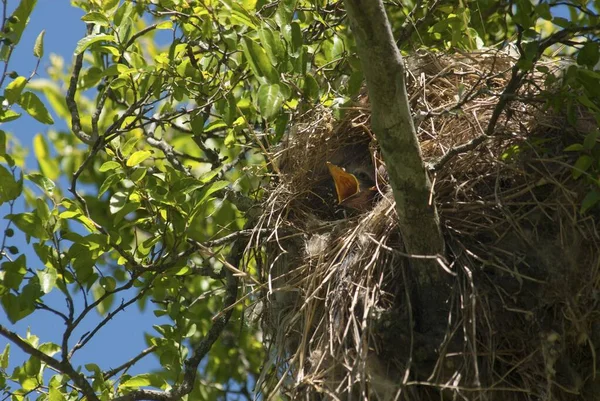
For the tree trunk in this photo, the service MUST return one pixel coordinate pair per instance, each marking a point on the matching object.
(393, 126)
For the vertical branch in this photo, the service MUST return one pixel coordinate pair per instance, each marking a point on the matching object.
(392, 123)
(393, 126)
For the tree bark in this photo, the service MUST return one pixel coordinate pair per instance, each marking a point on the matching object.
(393, 126)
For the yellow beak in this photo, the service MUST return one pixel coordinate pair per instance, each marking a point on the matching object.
(346, 184)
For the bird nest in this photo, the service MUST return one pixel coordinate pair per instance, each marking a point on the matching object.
(523, 262)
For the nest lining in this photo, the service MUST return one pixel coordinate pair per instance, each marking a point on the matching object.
(523, 323)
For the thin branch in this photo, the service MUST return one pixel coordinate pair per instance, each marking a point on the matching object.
(110, 373)
(136, 35)
(72, 104)
(88, 336)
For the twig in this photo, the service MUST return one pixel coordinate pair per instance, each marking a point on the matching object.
(72, 104)
(110, 373)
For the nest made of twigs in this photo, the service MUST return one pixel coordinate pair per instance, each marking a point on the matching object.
(523, 320)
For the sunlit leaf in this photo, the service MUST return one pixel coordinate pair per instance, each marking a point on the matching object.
(13, 90)
(35, 108)
(10, 189)
(8, 115)
(38, 47)
(97, 18)
(270, 100)
(48, 165)
(4, 356)
(47, 279)
(259, 61)
(117, 201)
(138, 157)
(108, 166)
(86, 42)
(30, 224)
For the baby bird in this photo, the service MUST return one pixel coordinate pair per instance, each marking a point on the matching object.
(355, 185)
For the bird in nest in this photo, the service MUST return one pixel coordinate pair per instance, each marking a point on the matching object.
(356, 184)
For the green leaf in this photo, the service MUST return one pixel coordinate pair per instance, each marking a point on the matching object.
(138, 174)
(48, 165)
(38, 47)
(165, 25)
(143, 380)
(14, 272)
(54, 394)
(104, 306)
(4, 357)
(210, 189)
(273, 46)
(591, 199)
(14, 307)
(584, 100)
(259, 61)
(128, 146)
(270, 100)
(109, 182)
(108, 166)
(240, 16)
(97, 18)
(582, 165)
(13, 90)
(35, 108)
(285, 12)
(30, 224)
(576, 147)
(117, 201)
(108, 283)
(311, 87)
(588, 55)
(9, 189)
(230, 138)
(54, 96)
(591, 139)
(43, 182)
(138, 157)
(8, 115)
(355, 83)
(49, 348)
(543, 10)
(47, 279)
(90, 40)
(109, 5)
(297, 39)
(22, 13)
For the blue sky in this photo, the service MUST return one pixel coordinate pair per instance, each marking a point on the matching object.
(122, 338)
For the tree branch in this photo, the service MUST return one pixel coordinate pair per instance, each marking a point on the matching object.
(392, 122)
(72, 104)
(64, 367)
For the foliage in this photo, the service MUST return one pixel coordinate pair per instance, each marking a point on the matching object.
(145, 202)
